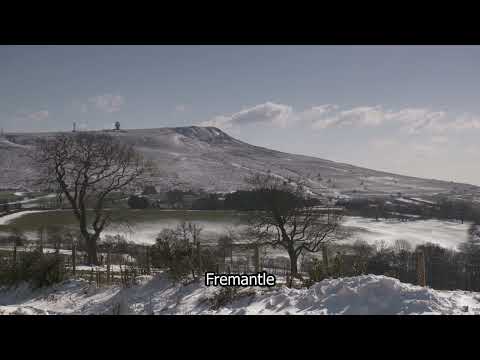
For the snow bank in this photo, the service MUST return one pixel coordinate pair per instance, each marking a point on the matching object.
(368, 294)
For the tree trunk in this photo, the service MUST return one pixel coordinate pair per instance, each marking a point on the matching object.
(293, 263)
(91, 242)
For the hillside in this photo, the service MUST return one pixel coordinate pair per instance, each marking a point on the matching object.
(208, 158)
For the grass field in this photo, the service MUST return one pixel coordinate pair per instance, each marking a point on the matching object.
(136, 225)
(7, 196)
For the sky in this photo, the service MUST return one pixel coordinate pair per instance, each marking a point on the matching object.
(411, 110)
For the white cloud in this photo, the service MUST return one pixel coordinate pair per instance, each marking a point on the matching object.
(409, 120)
(358, 116)
(108, 103)
(38, 115)
(270, 113)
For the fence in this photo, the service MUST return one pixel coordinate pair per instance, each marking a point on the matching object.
(427, 268)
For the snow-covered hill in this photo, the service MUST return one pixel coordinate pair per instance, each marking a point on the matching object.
(208, 158)
(362, 295)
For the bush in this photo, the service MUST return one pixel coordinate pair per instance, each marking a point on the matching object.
(224, 296)
(37, 269)
(172, 253)
(149, 190)
(138, 202)
(177, 250)
(316, 271)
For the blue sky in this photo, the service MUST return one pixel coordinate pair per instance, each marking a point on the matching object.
(407, 109)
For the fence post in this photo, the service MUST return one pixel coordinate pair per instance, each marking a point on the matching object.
(108, 266)
(421, 278)
(74, 258)
(199, 257)
(148, 260)
(42, 238)
(325, 258)
(15, 253)
(257, 258)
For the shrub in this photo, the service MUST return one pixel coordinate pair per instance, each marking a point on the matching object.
(138, 202)
(224, 296)
(316, 271)
(37, 269)
(172, 253)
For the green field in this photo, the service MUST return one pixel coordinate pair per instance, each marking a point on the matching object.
(7, 196)
(145, 224)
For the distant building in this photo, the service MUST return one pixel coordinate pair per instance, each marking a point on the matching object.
(117, 125)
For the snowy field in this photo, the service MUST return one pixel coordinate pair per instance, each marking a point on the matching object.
(147, 226)
(444, 233)
(362, 295)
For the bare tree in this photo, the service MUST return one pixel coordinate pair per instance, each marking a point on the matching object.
(402, 245)
(289, 220)
(86, 168)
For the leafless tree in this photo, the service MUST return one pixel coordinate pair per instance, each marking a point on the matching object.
(402, 245)
(86, 168)
(289, 220)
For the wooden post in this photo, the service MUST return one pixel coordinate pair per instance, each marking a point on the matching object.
(325, 258)
(74, 258)
(15, 253)
(108, 266)
(256, 258)
(40, 244)
(121, 274)
(421, 277)
(148, 260)
(199, 259)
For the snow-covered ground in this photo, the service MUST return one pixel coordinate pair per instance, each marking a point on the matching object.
(367, 294)
(444, 233)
